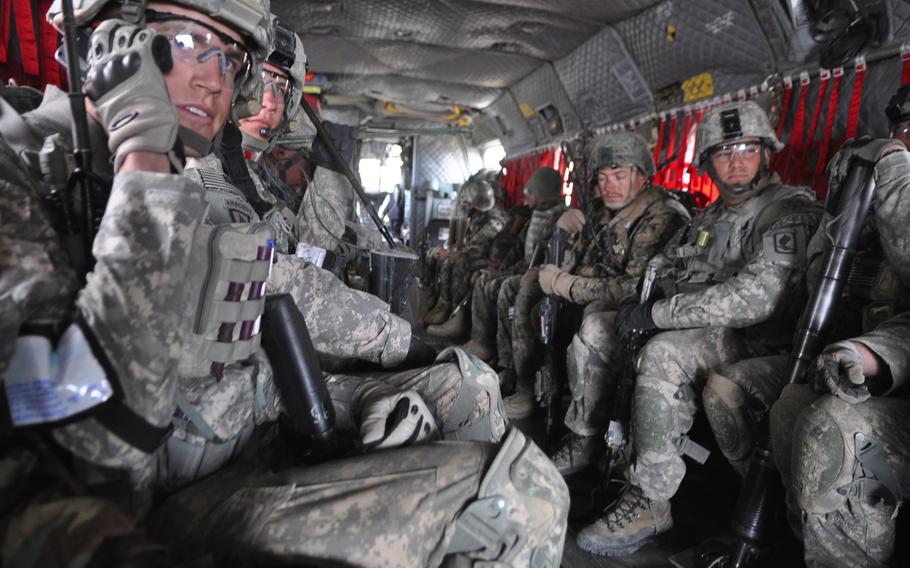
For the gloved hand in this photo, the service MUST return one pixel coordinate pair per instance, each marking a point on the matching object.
(126, 85)
(865, 148)
(572, 221)
(554, 280)
(343, 136)
(839, 370)
(391, 418)
(634, 317)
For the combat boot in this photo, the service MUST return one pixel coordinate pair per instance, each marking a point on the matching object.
(519, 405)
(438, 314)
(507, 381)
(576, 453)
(454, 328)
(629, 523)
(480, 349)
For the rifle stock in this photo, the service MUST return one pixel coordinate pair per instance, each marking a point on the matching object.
(547, 387)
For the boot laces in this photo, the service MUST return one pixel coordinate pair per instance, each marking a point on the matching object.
(625, 509)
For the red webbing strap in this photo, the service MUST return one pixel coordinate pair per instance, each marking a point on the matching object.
(819, 181)
(905, 57)
(28, 44)
(681, 165)
(796, 135)
(49, 66)
(856, 96)
(660, 139)
(671, 149)
(4, 28)
(803, 163)
(785, 105)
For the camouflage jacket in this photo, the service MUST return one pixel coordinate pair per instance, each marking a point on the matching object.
(611, 263)
(740, 266)
(482, 228)
(507, 246)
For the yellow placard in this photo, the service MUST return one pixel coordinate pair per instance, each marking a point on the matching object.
(312, 90)
(671, 32)
(527, 110)
(698, 87)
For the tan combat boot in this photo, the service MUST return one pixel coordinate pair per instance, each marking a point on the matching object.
(438, 314)
(454, 328)
(576, 453)
(520, 404)
(480, 349)
(629, 523)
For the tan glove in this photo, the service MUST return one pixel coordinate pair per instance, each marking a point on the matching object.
(126, 85)
(554, 280)
(839, 370)
(572, 221)
(391, 418)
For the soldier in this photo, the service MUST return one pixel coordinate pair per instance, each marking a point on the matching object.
(841, 444)
(133, 334)
(636, 221)
(477, 219)
(543, 194)
(731, 284)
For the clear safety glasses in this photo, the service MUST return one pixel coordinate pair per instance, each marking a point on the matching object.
(193, 41)
(745, 150)
(280, 85)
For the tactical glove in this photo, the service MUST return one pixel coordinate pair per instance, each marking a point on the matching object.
(572, 221)
(126, 85)
(634, 318)
(556, 281)
(343, 136)
(391, 418)
(839, 370)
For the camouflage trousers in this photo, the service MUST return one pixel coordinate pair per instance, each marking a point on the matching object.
(401, 507)
(456, 277)
(483, 307)
(737, 400)
(822, 448)
(594, 363)
(672, 369)
(505, 317)
(524, 343)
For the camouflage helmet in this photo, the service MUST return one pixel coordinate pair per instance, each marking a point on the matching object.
(619, 149)
(251, 18)
(477, 193)
(898, 109)
(733, 122)
(545, 184)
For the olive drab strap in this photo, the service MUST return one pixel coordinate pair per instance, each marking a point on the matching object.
(18, 135)
(870, 456)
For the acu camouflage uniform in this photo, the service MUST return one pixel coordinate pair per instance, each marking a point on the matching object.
(486, 314)
(732, 282)
(609, 269)
(826, 447)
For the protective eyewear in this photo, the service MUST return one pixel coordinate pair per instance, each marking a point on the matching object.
(193, 41)
(724, 153)
(280, 85)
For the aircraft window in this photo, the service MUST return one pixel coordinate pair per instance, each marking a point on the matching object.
(492, 156)
(380, 175)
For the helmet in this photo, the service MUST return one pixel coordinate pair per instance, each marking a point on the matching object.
(898, 109)
(620, 149)
(478, 194)
(249, 17)
(288, 55)
(732, 122)
(545, 184)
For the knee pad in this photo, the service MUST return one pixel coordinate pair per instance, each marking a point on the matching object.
(477, 413)
(653, 420)
(725, 407)
(521, 511)
(823, 460)
(794, 399)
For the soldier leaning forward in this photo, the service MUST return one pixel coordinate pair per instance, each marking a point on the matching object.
(137, 312)
(732, 285)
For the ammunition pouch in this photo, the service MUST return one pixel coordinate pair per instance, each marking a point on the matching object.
(237, 261)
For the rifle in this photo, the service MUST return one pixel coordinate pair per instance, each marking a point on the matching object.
(546, 385)
(617, 435)
(582, 180)
(754, 514)
(90, 184)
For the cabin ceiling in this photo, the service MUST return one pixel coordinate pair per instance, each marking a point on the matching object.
(595, 61)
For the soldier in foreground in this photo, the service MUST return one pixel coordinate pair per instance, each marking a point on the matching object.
(130, 329)
(731, 281)
(637, 220)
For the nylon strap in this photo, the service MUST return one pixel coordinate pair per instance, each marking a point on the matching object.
(799, 125)
(50, 69)
(871, 457)
(785, 105)
(661, 133)
(825, 77)
(683, 149)
(669, 182)
(28, 43)
(905, 57)
(819, 182)
(856, 96)
(4, 28)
